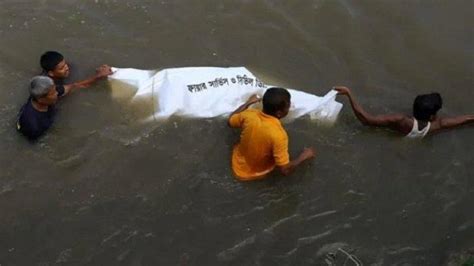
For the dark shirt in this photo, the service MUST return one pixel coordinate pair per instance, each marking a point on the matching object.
(33, 123)
(59, 86)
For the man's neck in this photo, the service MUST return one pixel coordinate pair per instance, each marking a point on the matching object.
(272, 115)
(56, 79)
(38, 106)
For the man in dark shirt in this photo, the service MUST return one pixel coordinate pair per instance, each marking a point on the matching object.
(36, 116)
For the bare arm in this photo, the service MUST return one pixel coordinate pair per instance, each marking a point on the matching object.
(308, 153)
(101, 72)
(253, 99)
(393, 121)
(452, 122)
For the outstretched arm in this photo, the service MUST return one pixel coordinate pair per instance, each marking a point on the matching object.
(101, 72)
(307, 154)
(253, 99)
(391, 120)
(452, 122)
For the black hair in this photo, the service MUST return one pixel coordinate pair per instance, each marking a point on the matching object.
(50, 60)
(275, 99)
(426, 105)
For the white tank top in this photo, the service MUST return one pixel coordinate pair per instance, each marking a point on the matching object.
(418, 134)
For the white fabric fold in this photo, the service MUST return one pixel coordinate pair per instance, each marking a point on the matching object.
(205, 92)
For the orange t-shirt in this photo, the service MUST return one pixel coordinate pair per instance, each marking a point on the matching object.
(263, 144)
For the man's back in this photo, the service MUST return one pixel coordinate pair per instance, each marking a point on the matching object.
(263, 144)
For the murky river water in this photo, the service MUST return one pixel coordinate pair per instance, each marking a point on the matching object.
(103, 189)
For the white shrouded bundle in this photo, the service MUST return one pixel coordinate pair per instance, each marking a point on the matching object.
(205, 92)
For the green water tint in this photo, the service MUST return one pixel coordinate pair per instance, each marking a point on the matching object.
(469, 261)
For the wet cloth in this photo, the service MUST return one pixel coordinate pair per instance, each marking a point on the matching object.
(33, 123)
(205, 92)
(263, 144)
(59, 83)
(416, 133)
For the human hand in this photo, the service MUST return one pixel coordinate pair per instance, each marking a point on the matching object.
(308, 153)
(341, 90)
(253, 99)
(103, 71)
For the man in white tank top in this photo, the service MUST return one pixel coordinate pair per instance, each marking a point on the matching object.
(423, 121)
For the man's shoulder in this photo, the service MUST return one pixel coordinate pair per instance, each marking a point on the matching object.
(436, 124)
(33, 123)
(29, 115)
(397, 118)
(251, 111)
(401, 122)
(27, 119)
(278, 132)
(26, 109)
(250, 114)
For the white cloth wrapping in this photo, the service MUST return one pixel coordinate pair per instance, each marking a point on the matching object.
(205, 92)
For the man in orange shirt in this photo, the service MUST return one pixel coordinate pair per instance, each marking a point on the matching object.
(263, 141)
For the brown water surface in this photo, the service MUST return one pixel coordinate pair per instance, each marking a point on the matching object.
(102, 188)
